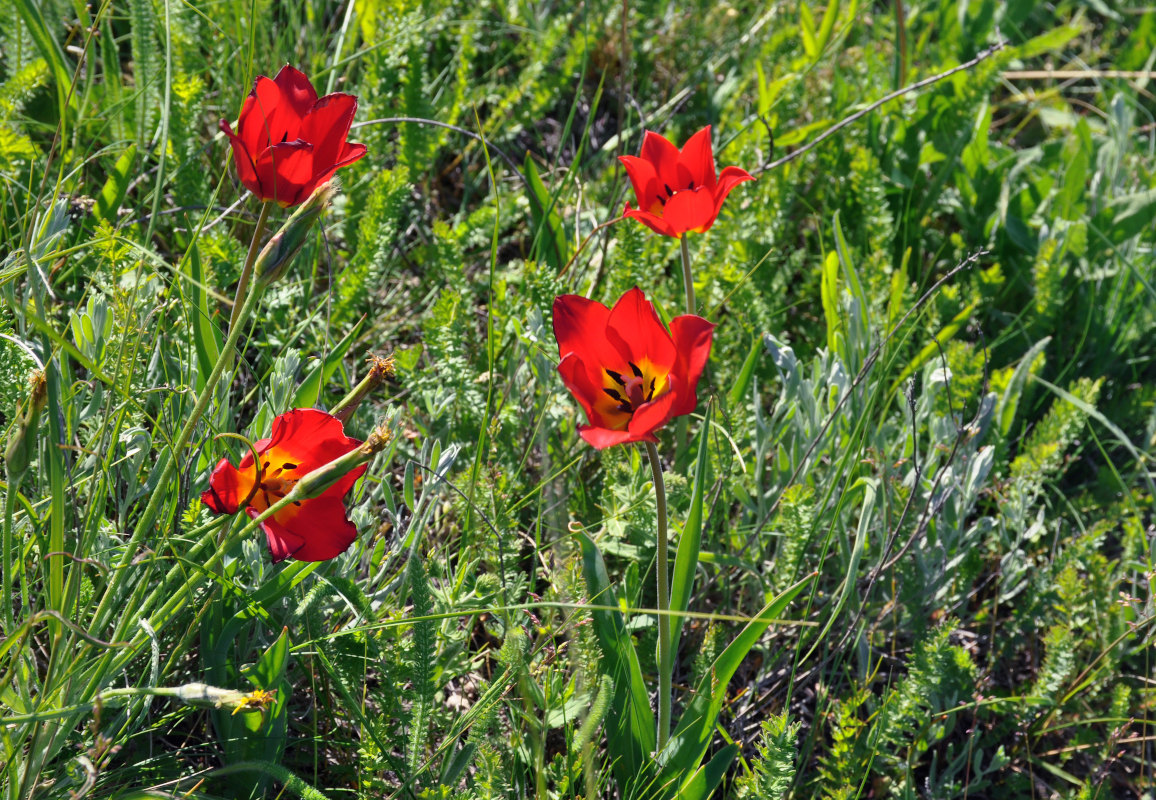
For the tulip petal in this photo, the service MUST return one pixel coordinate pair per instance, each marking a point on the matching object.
(283, 543)
(296, 89)
(601, 438)
(586, 387)
(326, 127)
(663, 155)
(696, 163)
(228, 488)
(270, 116)
(310, 439)
(647, 189)
(284, 171)
(690, 211)
(653, 221)
(635, 330)
(580, 327)
(243, 159)
(649, 417)
(729, 178)
(317, 531)
(692, 337)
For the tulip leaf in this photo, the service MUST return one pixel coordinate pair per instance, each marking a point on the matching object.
(322, 369)
(549, 235)
(690, 541)
(630, 728)
(690, 739)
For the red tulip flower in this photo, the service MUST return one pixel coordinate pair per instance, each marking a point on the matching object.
(629, 373)
(309, 530)
(677, 190)
(288, 142)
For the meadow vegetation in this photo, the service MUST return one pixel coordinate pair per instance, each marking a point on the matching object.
(913, 542)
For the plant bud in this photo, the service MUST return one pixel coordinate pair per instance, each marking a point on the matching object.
(205, 696)
(286, 243)
(379, 369)
(21, 445)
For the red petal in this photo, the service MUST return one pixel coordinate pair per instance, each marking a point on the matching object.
(316, 531)
(271, 114)
(601, 438)
(664, 156)
(580, 327)
(728, 179)
(243, 159)
(296, 90)
(311, 438)
(326, 127)
(696, 162)
(652, 221)
(644, 179)
(649, 417)
(636, 331)
(285, 170)
(228, 487)
(578, 380)
(690, 211)
(261, 445)
(692, 337)
(352, 152)
(282, 542)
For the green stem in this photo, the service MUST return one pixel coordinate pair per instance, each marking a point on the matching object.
(687, 280)
(171, 458)
(665, 657)
(9, 514)
(247, 270)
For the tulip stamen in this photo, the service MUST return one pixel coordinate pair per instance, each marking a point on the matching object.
(669, 191)
(634, 368)
(614, 395)
(616, 377)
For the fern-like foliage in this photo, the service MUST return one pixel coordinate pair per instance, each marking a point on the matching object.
(774, 769)
(422, 656)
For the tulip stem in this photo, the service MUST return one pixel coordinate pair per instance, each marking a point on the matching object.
(170, 458)
(665, 657)
(687, 280)
(247, 270)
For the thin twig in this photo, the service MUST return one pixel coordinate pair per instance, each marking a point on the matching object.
(510, 162)
(858, 115)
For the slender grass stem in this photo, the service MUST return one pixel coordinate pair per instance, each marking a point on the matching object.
(171, 459)
(9, 513)
(665, 657)
(687, 280)
(247, 270)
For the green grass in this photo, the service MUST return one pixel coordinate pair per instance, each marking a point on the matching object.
(927, 426)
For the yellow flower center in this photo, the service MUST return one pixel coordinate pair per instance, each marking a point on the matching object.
(627, 390)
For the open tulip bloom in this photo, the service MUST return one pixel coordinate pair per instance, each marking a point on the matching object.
(629, 373)
(288, 142)
(302, 440)
(677, 190)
